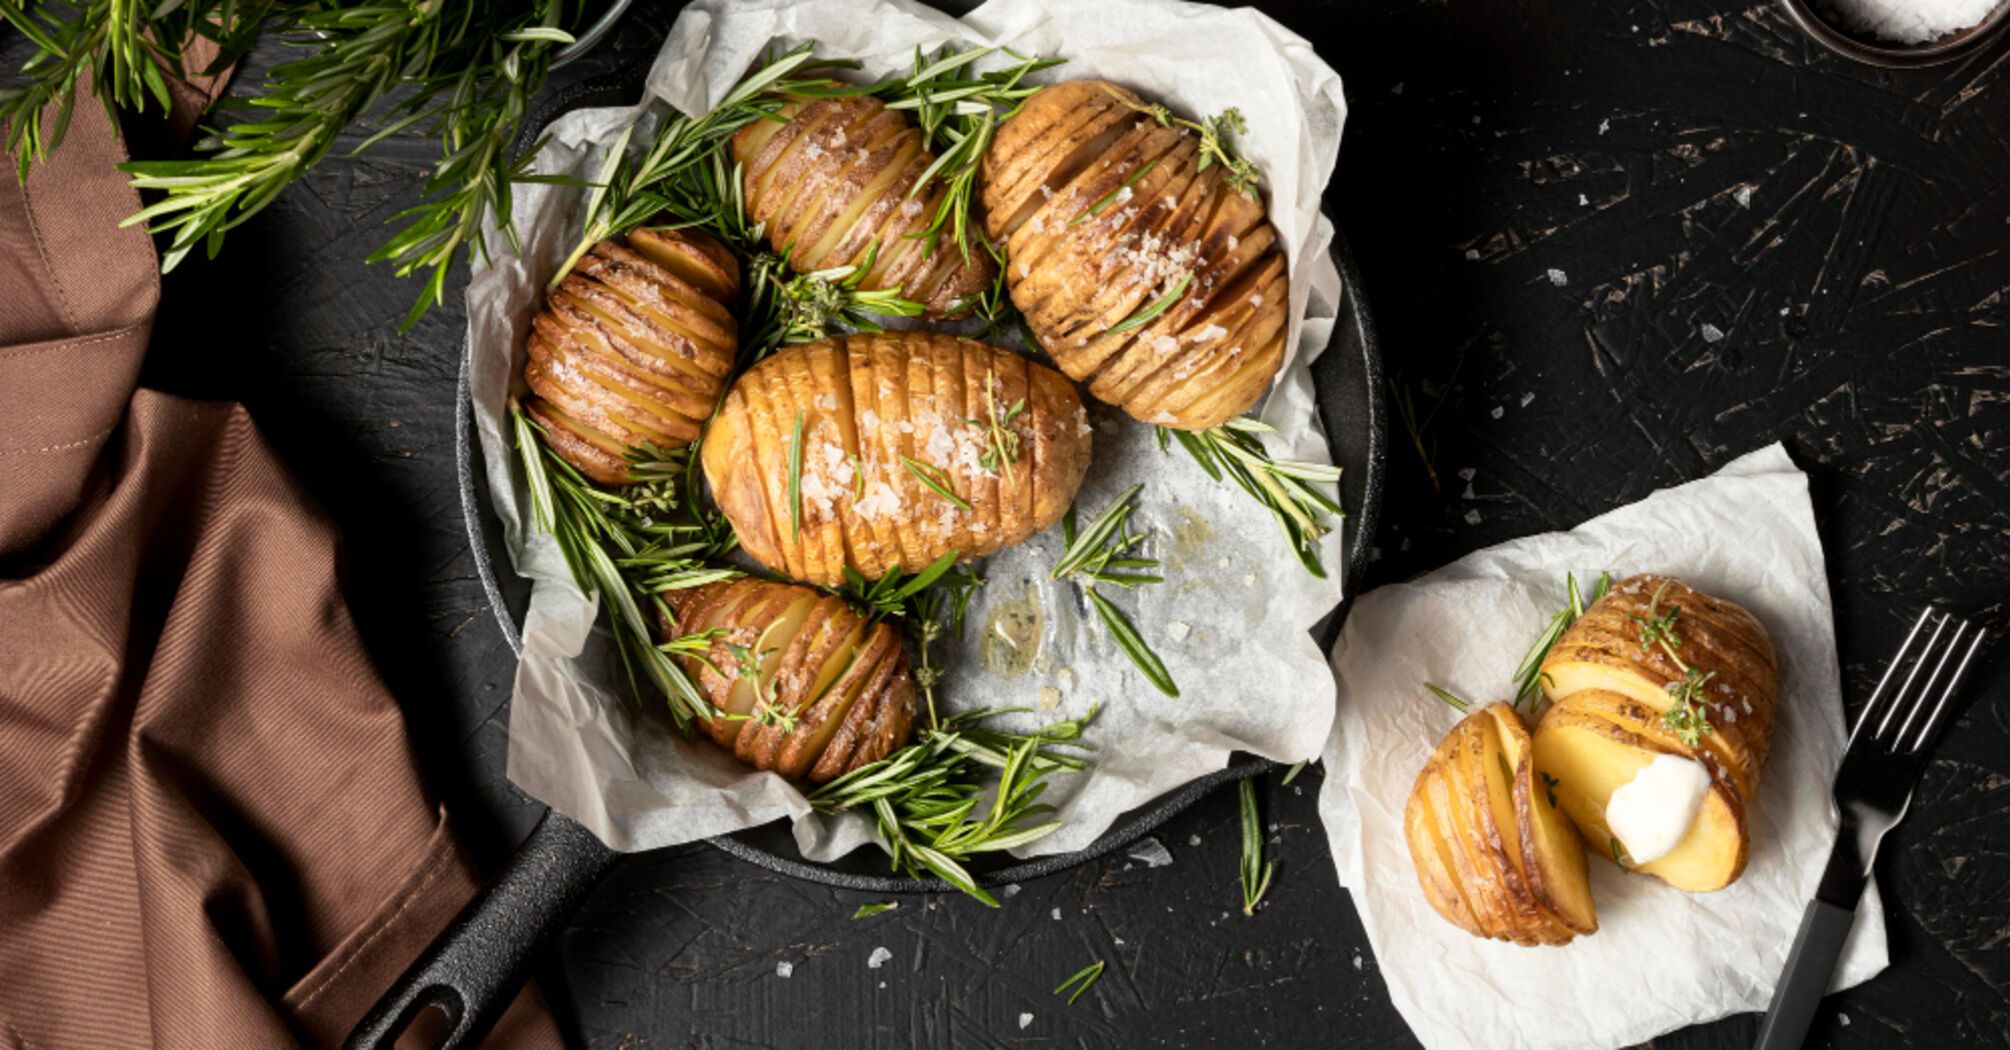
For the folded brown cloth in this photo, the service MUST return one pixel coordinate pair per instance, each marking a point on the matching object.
(211, 831)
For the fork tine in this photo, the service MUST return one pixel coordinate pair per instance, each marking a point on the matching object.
(1921, 700)
(1931, 729)
(1898, 699)
(1897, 660)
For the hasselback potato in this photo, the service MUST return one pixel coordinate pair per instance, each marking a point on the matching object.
(831, 181)
(804, 684)
(632, 347)
(913, 445)
(1656, 671)
(1493, 853)
(1106, 212)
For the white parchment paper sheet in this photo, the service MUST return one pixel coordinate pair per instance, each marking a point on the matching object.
(1661, 958)
(1232, 617)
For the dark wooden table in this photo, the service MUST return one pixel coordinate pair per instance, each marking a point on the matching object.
(1609, 247)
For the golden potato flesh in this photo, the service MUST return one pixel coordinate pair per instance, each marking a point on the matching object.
(1492, 854)
(803, 685)
(1593, 742)
(1602, 651)
(899, 460)
(1105, 213)
(632, 348)
(832, 181)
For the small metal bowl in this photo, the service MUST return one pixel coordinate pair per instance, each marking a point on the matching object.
(1818, 21)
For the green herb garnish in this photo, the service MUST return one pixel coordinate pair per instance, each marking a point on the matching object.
(1688, 709)
(796, 479)
(1256, 871)
(1001, 442)
(1287, 488)
(936, 480)
(867, 911)
(1447, 696)
(1110, 198)
(1100, 553)
(1528, 676)
(1156, 307)
(1080, 982)
(1240, 174)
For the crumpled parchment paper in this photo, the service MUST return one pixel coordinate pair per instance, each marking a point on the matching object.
(1231, 619)
(1661, 958)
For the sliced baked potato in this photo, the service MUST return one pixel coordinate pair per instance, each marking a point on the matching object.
(802, 683)
(1493, 853)
(1106, 213)
(875, 451)
(834, 182)
(632, 348)
(1657, 668)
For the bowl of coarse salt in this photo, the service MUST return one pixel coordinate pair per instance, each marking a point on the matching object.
(1901, 33)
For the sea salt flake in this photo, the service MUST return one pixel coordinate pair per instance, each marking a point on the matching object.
(1178, 630)
(1743, 195)
(1057, 915)
(1473, 253)
(1048, 698)
(1193, 840)
(877, 959)
(1498, 412)
(1011, 890)
(1150, 852)
(1558, 277)
(1606, 125)
(1583, 201)
(1357, 962)
(1467, 473)
(1025, 1021)
(1473, 517)
(1711, 333)
(1527, 398)
(785, 969)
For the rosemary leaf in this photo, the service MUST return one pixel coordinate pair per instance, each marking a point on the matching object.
(933, 477)
(867, 911)
(1145, 314)
(1447, 696)
(1127, 639)
(1256, 872)
(1103, 202)
(796, 479)
(1082, 980)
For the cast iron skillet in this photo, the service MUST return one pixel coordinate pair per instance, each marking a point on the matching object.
(458, 987)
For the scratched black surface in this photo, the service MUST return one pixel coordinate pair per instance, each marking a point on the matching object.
(1610, 247)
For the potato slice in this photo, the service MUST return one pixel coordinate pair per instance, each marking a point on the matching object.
(803, 684)
(1590, 756)
(632, 348)
(1487, 859)
(925, 388)
(1106, 213)
(834, 182)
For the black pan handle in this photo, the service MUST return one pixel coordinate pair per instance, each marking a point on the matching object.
(470, 973)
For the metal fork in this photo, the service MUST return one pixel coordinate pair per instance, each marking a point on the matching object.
(1887, 752)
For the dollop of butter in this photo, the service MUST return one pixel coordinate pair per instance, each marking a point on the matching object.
(1650, 813)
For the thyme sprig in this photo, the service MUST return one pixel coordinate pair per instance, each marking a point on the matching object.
(1256, 871)
(1688, 710)
(1238, 172)
(928, 800)
(1101, 553)
(1082, 981)
(785, 308)
(1289, 489)
(626, 548)
(1001, 441)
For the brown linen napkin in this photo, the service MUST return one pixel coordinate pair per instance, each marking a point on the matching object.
(211, 832)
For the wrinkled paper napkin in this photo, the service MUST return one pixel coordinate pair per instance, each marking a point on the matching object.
(1231, 619)
(1661, 958)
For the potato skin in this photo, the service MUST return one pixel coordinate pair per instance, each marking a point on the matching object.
(1489, 878)
(632, 347)
(831, 181)
(863, 710)
(869, 405)
(1082, 145)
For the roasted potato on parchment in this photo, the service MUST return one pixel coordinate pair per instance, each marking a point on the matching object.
(1493, 853)
(804, 685)
(632, 347)
(831, 180)
(1108, 216)
(1657, 670)
(876, 451)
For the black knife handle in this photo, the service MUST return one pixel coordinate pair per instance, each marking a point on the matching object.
(1810, 965)
(465, 979)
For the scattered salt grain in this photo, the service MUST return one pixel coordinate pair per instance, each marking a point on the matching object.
(877, 959)
(1469, 493)
(1743, 195)
(1473, 517)
(1558, 277)
(1011, 890)
(1583, 201)
(785, 969)
(1466, 473)
(1057, 915)
(1048, 698)
(1025, 1021)
(1193, 840)
(1357, 962)
(1498, 412)
(1150, 852)
(1605, 125)
(1178, 630)
(1842, 1019)
(1711, 333)
(1472, 253)
(1527, 398)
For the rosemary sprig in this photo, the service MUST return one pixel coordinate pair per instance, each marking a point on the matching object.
(1001, 441)
(928, 602)
(785, 309)
(1457, 703)
(937, 481)
(1528, 676)
(1082, 980)
(925, 798)
(1256, 871)
(796, 479)
(958, 114)
(1288, 488)
(463, 72)
(1103, 203)
(618, 546)
(1144, 314)
(1100, 553)
(891, 594)
(1240, 174)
